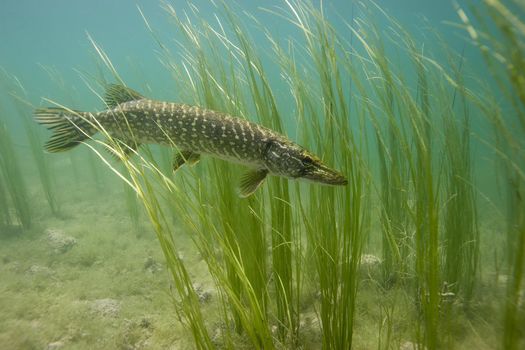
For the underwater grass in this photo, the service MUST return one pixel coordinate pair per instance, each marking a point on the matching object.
(13, 181)
(269, 254)
(427, 206)
(143, 185)
(4, 208)
(263, 101)
(240, 297)
(393, 150)
(132, 206)
(426, 220)
(409, 210)
(500, 39)
(336, 222)
(235, 224)
(286, 285)
(461, 232)
(24, 110)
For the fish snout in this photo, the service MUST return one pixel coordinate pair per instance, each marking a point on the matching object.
(323, 174)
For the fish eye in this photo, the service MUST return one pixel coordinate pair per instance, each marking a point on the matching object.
(307, 160)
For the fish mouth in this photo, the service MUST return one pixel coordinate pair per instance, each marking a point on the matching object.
(325, 175)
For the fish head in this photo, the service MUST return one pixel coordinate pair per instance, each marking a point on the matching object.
(291, 160)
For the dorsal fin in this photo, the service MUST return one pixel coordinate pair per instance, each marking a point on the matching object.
(117, 94)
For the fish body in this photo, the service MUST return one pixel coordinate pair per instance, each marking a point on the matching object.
(194, 131)
(190, 128)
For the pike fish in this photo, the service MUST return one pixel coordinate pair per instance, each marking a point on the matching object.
(133, 120)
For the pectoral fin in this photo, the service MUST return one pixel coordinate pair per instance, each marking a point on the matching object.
(182, 157)
(251, 181)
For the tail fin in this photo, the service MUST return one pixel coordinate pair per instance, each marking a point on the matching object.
(69, 127)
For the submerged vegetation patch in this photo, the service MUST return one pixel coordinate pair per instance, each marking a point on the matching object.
(400, 257)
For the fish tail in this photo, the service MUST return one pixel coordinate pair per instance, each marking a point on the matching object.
(69, 127)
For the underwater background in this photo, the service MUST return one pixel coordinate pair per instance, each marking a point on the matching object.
(421, 104)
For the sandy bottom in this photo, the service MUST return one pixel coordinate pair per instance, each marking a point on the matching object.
(88, 280)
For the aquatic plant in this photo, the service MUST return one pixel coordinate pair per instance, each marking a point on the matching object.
(292, 248)
(243, 221)
(132, 207)
(408, 188)
(461, 232)
(421, 218)
(499, 35)
(393, 142)
(235, 224)
(4, 208)
(13, 181)
(336, 222)
(24, 111)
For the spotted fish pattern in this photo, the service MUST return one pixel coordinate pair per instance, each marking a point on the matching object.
(193, 131)
(190, 128)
